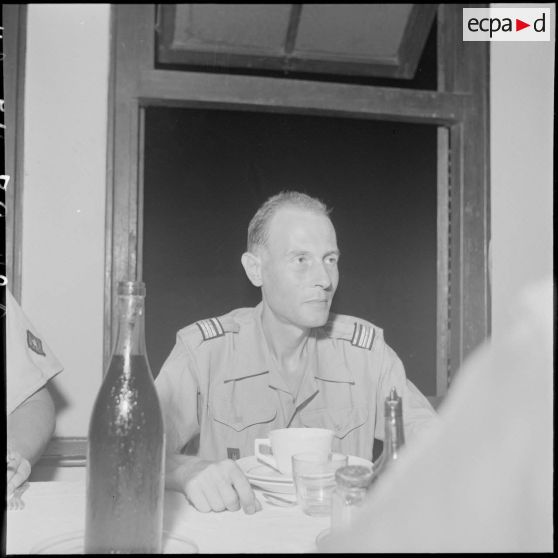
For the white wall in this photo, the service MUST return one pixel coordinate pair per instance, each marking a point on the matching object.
(64, 194)
(522, 121)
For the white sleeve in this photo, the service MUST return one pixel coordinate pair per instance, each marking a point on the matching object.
(177, 388)
(30, 363)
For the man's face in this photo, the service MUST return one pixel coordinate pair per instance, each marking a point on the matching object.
(299, 267)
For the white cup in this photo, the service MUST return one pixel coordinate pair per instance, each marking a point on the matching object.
(277, 450)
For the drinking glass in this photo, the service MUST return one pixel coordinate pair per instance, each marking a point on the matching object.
(314, 478)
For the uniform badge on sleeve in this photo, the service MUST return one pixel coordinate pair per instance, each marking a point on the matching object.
(363, 336)
(35, 344)
(233, 453)
(210, 328)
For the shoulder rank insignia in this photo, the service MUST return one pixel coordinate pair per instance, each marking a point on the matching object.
(35, 344)
(210, 328)
(363, 336)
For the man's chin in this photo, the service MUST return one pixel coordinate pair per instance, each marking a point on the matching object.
(317, 320)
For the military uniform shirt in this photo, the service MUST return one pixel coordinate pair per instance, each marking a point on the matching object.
(30, 363)
(221, 381)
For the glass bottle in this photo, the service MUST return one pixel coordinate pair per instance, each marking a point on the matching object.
(126, 446)
(351, 488)
(394, 436)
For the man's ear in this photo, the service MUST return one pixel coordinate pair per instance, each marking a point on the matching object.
(253, 268)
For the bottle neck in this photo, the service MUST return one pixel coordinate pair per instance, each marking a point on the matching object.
(130, 339)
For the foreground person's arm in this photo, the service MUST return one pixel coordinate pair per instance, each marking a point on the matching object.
(481, 480)
(29, 428)
(30, 421)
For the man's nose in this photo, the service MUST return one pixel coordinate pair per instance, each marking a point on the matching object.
(322, 277)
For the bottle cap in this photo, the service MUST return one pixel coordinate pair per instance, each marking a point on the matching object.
(136, 288)
(354, 476)
(393, 404)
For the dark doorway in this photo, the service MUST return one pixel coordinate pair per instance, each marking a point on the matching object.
(207, 171)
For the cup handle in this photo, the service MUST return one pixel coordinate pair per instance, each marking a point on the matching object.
(263, 452)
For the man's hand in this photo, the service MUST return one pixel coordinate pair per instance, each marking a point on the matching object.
(18, 470)
(218, 486)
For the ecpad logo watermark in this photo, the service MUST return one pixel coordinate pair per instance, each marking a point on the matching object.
(506, 24)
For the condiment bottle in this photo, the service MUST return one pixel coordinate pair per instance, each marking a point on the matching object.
(352, 482)
(126, 446)
(394, 436)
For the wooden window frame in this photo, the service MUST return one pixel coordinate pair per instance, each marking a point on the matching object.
(459, 108)
(402, 65)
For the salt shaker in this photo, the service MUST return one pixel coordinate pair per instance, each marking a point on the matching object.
(352, 482)
(394, 436)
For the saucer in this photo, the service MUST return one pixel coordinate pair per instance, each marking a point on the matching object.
(265, 477)
(258, 471)
(72, 543)
(275, 487)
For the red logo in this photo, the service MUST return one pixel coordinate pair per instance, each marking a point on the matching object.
(519, 25)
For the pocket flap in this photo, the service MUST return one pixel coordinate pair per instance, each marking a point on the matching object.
(239, 419)
(341, 421)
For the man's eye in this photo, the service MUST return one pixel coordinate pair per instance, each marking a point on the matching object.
(301, 259)
(332, 260)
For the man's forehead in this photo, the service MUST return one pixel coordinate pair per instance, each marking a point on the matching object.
(296, 215)
(292, 223)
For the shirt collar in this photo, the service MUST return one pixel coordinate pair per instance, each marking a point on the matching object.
(251, 354)
(326, 359)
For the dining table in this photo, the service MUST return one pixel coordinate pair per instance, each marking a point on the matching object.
(55, 510)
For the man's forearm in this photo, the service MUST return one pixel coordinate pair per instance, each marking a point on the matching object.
(179, 469)
(210, 485)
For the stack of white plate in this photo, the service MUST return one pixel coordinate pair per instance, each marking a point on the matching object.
(265, 477)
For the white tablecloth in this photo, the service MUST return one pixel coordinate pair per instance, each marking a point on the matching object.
(53, 508)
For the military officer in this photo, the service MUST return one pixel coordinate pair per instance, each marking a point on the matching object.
(288, 362)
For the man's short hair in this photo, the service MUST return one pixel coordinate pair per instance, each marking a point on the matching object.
(258, 227)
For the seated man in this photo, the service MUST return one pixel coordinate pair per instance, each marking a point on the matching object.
(287, 362)
(29, 366)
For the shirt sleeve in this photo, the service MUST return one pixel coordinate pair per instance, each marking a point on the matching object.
(418, 413)
(177, 388)
(30, 363)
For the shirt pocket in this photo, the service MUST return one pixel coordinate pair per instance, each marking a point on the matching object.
(341, 421)
(239, 419)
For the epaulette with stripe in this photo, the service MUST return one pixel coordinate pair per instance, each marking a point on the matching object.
(361, 334)
(211, 328)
